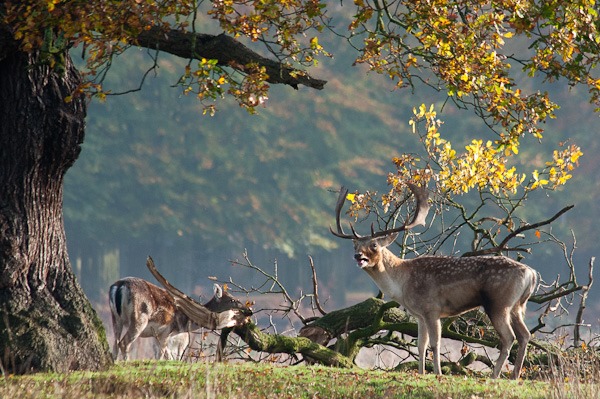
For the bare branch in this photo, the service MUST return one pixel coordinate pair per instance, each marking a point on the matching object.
(503, 245)
(315, 287)
(584, 294)
(534, 226)
(275, 286)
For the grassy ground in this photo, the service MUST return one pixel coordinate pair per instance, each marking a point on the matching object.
(150, 379)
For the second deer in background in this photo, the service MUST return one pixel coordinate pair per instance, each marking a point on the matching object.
(146, 310)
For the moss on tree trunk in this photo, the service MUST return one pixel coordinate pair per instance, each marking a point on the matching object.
(271, 343)
(46, 321)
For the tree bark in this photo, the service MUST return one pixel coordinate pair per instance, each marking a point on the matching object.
(226, 50)
(46, 322)
(361, 315)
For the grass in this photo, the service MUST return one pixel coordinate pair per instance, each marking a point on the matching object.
(151, 379)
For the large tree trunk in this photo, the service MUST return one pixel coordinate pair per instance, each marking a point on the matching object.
(46, 322)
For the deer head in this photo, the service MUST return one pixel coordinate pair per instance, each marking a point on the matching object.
(432, 287)
(222, 301)
(368, 250)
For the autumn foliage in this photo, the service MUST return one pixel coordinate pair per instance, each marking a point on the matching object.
(480, 53)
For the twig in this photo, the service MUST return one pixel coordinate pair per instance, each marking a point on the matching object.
(273, 280)
(503, 245)
(534, 226)
(584, 294)
(315, 287)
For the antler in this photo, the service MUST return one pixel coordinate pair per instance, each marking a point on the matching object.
(421, 196)
(196, 311)
(338, 210)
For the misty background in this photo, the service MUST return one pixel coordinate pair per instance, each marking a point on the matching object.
(156, 177)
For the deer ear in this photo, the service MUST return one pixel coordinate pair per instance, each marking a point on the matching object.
(217, 290)
(387, 240)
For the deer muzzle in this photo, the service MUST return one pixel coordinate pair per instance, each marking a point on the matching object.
(361, 260)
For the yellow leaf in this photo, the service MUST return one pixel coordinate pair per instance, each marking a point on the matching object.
(575, 156)
(351, 197)
(314, 44)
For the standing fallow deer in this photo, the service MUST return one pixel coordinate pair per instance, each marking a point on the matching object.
(433, 287)
(146, 310)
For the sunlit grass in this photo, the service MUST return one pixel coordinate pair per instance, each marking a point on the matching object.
(575, 374)
(150, 379)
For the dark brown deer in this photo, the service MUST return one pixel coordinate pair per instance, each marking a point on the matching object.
(146, 310)
(433, 287)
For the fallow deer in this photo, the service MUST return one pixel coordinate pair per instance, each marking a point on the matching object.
(433, 287)
(146, 310)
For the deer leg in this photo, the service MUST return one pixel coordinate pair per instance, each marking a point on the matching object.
(156, 350)
(222, 343)
(178, 344)
(117, 330)
(423, 342)
(124, 346)
(164, 352)
(133, 332)
(523, 337)
(434, 329)
(501, 322)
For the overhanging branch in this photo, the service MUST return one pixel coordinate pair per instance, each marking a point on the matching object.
(226, 50)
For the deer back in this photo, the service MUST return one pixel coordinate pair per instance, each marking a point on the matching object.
(461, 284)
(137, 300)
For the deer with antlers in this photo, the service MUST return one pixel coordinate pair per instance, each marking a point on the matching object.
(433, 287)
(146, 310)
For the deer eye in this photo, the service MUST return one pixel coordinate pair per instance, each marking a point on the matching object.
(374, 246)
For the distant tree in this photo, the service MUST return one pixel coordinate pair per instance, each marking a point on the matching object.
(464, 48)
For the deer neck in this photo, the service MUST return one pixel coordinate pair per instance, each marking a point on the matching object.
(387, 273)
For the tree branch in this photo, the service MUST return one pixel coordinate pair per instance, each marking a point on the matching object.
(275, 343)
(315, 284)
(502, 246)
(534, 226)
(579, 319)
(226, 50)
